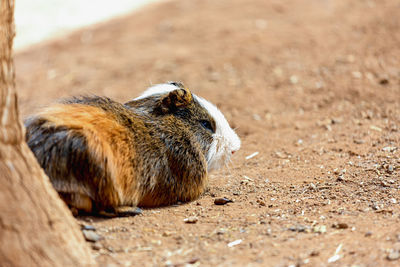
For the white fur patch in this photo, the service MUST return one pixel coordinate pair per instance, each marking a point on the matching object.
(157, 89)
(225, 140)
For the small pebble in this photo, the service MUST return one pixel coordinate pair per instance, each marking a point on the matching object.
(314, 253)
(96, 246)
(91, 236)
(222, 201)
(280, 155)
(384, 184)
(384, 81)
(334, 258)
(390, 168)
(167, 233)
(389, 148)
(394, 255)
(88, 227)
(319, 229)
(298, 228)
(193, 260)
(340, 225)
(312, 186)
(375, 128)
(256, 117)
(221, 231)
(340, 178)
(235, 243)
(260, 202)
(138, 211)
(294, 79)
(375, 206)
(300, 142)
(192, 219)
(252, 155)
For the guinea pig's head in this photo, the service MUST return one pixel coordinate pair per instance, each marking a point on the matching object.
(216, 138)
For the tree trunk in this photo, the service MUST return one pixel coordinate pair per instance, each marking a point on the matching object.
(36, 228)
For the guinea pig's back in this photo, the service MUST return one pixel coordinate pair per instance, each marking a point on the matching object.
(83, 148)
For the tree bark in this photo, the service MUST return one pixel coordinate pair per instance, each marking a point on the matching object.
(36, 228)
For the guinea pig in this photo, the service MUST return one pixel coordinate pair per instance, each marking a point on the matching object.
(155, 150)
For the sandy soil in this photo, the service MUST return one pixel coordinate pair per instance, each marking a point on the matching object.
(312, 86)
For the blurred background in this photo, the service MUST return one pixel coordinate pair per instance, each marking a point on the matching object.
(41, 20)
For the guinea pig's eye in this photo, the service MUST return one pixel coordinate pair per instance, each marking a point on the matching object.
(207, 125)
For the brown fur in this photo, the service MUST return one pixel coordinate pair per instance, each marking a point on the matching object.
(100, 154)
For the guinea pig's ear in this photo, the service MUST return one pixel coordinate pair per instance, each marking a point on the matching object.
(175, 99)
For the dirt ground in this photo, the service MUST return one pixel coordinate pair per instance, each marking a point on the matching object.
(312, 86)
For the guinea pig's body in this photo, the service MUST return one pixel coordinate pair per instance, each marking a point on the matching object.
(155, 150)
